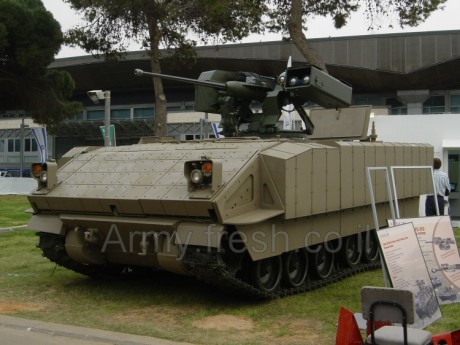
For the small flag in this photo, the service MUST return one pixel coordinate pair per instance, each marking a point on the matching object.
(215, 129)
(39, 134)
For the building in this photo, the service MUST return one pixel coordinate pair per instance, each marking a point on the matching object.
(398, 74)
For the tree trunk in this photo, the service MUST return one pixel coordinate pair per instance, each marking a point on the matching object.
(298, 37)
(160, 98)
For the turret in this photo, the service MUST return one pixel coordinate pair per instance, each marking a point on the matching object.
(231, 94)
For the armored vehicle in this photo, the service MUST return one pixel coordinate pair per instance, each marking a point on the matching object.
(442, 243)
(425, 300)
(262, 211)
(447, 294)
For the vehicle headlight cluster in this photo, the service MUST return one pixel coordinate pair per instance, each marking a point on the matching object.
(39, 171)
(296, 81)
(282, 78)
(200, 172)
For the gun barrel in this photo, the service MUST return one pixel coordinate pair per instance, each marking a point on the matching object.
(223, 86)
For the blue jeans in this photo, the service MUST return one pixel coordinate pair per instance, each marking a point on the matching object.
(430, 206)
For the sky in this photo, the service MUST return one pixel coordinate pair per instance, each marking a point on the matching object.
(318, 27)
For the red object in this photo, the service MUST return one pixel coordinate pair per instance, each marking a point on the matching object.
(451, 338)
(347, 330)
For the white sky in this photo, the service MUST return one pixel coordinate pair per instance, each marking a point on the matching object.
(447, 19)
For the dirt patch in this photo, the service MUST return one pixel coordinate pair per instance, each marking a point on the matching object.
(222, 328)
(14, 307)
(239, 329)
(161, 316)
(224, 322)
(158, 317)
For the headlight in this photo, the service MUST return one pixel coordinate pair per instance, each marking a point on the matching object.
(282, 78)
(196, 176)
(44, 177)
(45, 174)
(294, 81)
(204, 177)
(199, 173)
(306, 80)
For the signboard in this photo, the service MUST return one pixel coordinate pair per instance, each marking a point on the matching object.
(437, 242)
(407, 270)
(112, 138)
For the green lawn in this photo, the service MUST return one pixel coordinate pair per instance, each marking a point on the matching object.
(166, 305)
(12, 210)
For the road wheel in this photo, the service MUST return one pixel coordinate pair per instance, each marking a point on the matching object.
(371, 247)
(295, 267)
(352, 250)
(322, 261)
(266, 273)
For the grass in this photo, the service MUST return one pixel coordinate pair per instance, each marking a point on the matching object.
(167, 305)
(12, 210)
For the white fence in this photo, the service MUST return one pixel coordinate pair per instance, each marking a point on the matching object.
(17, 185)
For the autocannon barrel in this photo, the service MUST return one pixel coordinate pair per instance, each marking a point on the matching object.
(139, 72)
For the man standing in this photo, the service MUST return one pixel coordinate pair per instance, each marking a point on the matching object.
(442, 189)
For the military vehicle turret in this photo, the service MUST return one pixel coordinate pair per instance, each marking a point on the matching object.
(442, 243)
(263, 211)
(447, 294)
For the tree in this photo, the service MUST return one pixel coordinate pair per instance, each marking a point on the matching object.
(291, 16)
(29, 39)
(112, 25)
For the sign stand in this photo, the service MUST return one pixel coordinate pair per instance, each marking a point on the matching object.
(402, 259)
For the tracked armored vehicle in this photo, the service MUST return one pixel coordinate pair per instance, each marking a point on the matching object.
(263, 211)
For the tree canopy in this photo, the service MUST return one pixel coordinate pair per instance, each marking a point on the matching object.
(110, 26)
(29, 39)
(290, 17)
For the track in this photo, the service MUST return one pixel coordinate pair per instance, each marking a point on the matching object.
(216, 273)
(53, 248)
(208, 267)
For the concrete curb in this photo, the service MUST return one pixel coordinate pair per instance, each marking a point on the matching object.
(14, 228)
(88, 335)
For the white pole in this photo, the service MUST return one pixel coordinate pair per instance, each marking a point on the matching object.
(107, 119)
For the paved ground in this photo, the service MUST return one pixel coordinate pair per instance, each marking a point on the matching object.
(16, 331)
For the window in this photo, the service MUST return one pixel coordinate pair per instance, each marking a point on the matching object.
(9, 115)
(30, 145)
(77, 117)
(2, 145)
(191, 137)
(434, 105)
(396, 106)
(455, 103)
(454, 172)
(120, 114)
(95, 115)
(366, 101)
(144, 113)
(14, 145)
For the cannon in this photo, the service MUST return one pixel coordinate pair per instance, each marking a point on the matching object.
(442, 243)
(446, 268)
(231, 95)
(255, 213)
